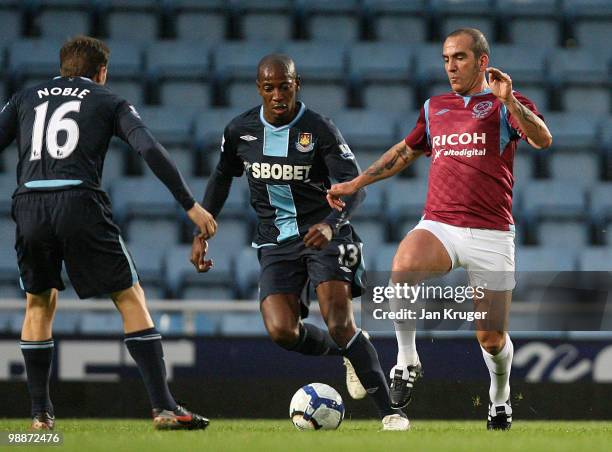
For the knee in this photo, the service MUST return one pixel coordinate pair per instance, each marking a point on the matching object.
(286, 336)
(492, 341)
(41, 304)
(410, 265)
(341, 332)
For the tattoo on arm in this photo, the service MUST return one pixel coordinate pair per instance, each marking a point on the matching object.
(528, 116)
(388, 162)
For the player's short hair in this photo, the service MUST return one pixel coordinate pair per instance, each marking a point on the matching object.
(278, 59)
(83, 56)
(480, 46)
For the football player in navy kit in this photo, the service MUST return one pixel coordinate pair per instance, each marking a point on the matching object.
(63, 127)
(289, 153)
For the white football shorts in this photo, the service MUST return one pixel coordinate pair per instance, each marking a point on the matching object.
(486, 254)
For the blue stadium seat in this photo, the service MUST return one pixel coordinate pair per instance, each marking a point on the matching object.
(401, 21)
(564, 233)
(243, 95)
(237, 202)
(430, 65)
(323, 61)
(126, 60)
(185, 60)
(66, 322)
(186, 95)
(34, 57)
(142, 196)
(324, 98)
(207, 324)
(531, 21)
(8, 184)
(375, 62)
(332, 21)
(406, 199)
(163, 233)
(210, 124)
(130, 90)
(200, 19)
(247, 276)
(63, 23)
(591, 22)
(16, 322)
(572, 130)
(537, 95)
(576, 168)
(373, 205)
(208, 292)
(595, 259)
(389, 97)
(601, 199)
(266, 20)
(525, 68)
(170, 125)
(231, 237)
(169, 323)
(121, 15)
(10, 25)
(149, 259)
(9, 273)
(454, 14)
(238, 61)
(373, 234)
(367, 129)
(553, 200)
(247, 324)
(544, 259)
(101, 323)
(523, 167)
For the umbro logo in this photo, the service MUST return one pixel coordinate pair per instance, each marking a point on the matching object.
(346, 269)
(248, 138)
(441, 112)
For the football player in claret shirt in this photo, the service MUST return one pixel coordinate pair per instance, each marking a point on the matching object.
(63, 127)
(289, 153)
(470, 134)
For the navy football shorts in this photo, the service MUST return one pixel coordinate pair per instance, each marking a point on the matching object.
(75, 227)
(289, 268)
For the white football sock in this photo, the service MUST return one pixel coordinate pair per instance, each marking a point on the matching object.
(499, 369)
(405, 332)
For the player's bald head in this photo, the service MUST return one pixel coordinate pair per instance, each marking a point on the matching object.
(480, 45)
(276, 62)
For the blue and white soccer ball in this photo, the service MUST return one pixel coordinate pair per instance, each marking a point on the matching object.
(316, 406)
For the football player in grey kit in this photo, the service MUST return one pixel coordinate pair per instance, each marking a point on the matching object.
(289, 153)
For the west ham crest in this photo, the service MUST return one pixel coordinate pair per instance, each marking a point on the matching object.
(305, 142)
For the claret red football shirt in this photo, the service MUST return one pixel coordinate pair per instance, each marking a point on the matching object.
(471, 141)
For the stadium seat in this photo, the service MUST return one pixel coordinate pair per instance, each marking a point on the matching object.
(406, 199)
(63, 23)
(131, 91)
(170, 125)
(208, 292)
(8, 184)
(207, 324)
(401, 21)
(591, 21)
(454, 14)
(244, 324)
(373, 206)
(595, 259)
(190, 95)
(324, 98)
(380, 62)
(209, 127)
(101, 323)
(553, 200)
(161, 232)
(266, 20)
(389, 96)
(169, 323)
(34, 57)
(538, 258)
(383, 258)
(238, 61)
(523, 167)
(525, 68)
(563, 233)
(537, 95)
(237, 203)
(136, 196)
(247, 278)
(243, 95)
(601, 212)
(201, 20)
(10, 25)
(126, 60)
(67, 322)
(184, 60)
(531, 21)
(430, 65)
(576, 168)
(337, 21)
(373, 234)
(122, 15)
(572, 130)
(366, 129)
(322, 61)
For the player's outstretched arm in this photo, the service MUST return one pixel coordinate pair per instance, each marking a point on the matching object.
(398, 157)
(530, 124)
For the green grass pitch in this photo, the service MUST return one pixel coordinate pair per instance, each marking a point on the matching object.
(90, 435)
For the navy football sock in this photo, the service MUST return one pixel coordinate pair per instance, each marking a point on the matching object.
(362, 355)
(38, 356)
(315, 341)
(146, 349)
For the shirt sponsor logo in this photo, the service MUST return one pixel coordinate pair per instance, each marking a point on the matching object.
(279, 171)
(248, 138)
(455, 139)
(305, 142)
(482, 109)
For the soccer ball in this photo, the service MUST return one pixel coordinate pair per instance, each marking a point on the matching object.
(316, 406)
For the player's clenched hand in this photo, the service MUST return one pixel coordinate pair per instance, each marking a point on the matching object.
(318, 236)
(199, 247)
(338, 190)
(500, 83)
(203, 220)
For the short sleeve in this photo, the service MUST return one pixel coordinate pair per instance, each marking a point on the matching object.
(417, 139)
